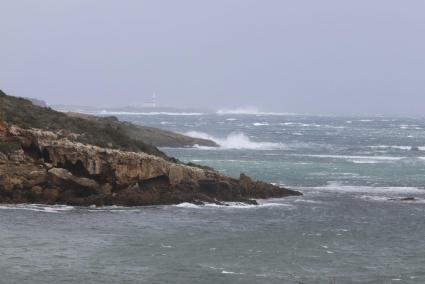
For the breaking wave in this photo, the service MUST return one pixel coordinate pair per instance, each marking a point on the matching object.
(237, 140)
(360, 159)
(251, 111)
(342, 188)
(233, 205)
(104, 112)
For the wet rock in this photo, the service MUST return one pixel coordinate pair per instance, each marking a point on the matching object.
(403, 199)
(51, 195)
(408, 199)
(222, 190)
(35, 193)
(36, 190)
(105, 189)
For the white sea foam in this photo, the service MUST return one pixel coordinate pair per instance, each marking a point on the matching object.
(338, 187)
(187, 205)
(249, 111)
(297, 124)
(316, 125)
(38, 207)
(233, 205)
(308, 201)
(127, 210)
(237, 140)
(231, 272)
(360, 159)
(260, 124)
(392, 199)
(374, 198)
(105, 112)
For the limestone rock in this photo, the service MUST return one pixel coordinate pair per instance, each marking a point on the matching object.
(50, 169)
(62, 177)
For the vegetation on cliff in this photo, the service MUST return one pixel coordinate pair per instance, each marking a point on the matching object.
(107, 132)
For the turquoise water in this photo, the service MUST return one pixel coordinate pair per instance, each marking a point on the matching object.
(349, 227)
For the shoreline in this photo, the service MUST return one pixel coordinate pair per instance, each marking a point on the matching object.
(45, 167)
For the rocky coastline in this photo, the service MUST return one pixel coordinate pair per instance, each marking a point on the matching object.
(46, 167)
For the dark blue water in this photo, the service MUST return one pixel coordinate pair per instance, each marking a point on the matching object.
(350, 227)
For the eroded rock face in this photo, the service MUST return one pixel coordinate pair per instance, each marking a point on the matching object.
(48, 169)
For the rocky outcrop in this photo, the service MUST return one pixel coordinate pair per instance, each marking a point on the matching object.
(43, 167)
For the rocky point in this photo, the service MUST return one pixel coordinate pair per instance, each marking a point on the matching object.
(38, 166)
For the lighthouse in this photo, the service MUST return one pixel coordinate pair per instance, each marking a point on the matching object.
(151, 103)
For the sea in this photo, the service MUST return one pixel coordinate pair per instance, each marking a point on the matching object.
(361, 218)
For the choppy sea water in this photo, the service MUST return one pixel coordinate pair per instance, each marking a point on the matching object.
(349, 227)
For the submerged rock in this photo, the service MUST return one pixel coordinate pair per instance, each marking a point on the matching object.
(408, 199)
(404, 199)
(48, 169)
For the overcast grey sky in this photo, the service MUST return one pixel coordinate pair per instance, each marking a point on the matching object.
(327, 56)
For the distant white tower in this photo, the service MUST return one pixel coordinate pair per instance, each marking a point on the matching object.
(151, 103)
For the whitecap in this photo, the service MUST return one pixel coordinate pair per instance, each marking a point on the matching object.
(231, 272)
(374, 198)
(299, 124)
(360, 159)
(308, 201)
(260, 124)
(104, 112)
(338, 187)
(365, 161)
(249, 111)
